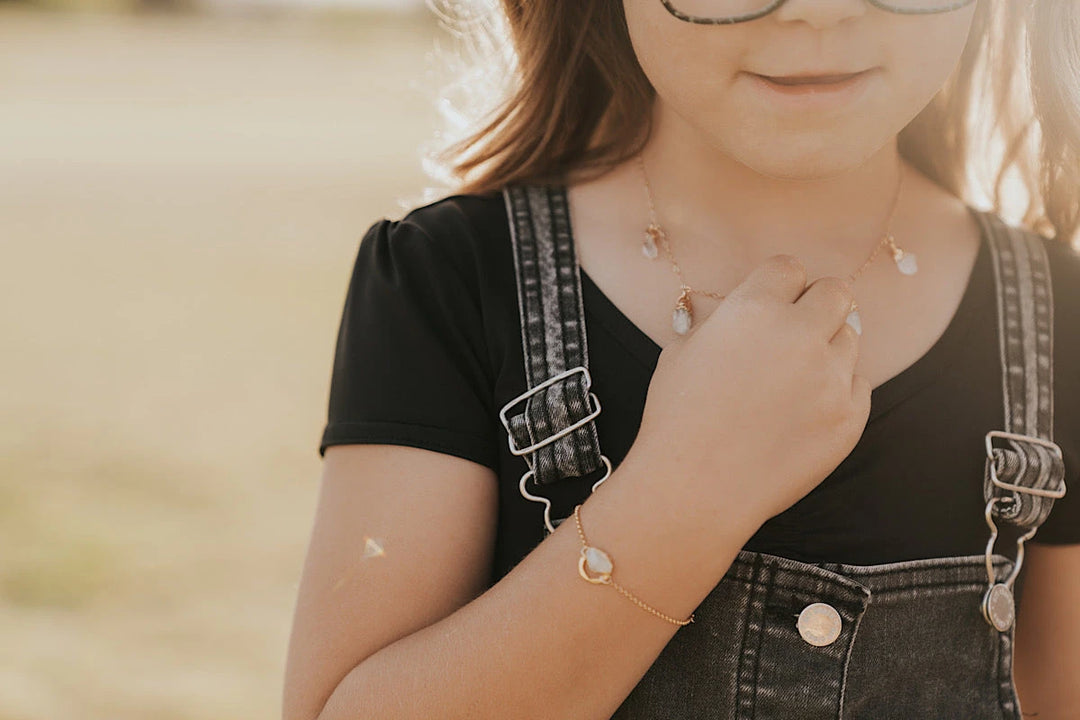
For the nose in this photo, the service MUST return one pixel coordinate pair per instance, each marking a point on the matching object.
(820, 13)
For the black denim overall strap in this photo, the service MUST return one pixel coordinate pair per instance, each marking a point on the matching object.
(778, 638)
(1021, 481)
(555, 432)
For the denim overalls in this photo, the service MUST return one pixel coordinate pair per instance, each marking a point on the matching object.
(782, 639)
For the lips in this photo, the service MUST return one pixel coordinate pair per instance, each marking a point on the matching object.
(810, 79)
(821, 91)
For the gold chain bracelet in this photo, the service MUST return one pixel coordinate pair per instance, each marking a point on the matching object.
(600, 562)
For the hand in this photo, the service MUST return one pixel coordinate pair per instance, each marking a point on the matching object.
(759, 402)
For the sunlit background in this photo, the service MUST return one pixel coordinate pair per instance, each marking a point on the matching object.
(182, 189)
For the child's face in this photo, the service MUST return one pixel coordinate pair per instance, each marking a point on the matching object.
(708, 96)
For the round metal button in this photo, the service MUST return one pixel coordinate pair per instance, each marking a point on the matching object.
(999, 607)
(819, 624)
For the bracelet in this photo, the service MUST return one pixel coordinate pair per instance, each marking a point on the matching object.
(600, 563)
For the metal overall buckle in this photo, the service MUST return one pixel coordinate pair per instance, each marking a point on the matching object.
(593, 413)
(998, 604)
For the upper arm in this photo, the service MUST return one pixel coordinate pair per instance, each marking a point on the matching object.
(1047, 636)
(402, 537)
(405, 524)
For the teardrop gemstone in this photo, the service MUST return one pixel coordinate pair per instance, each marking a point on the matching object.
(855, 321)
(907, 264)
(680, 320)
(648, 247)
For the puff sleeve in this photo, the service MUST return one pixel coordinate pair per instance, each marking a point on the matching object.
(410, 364)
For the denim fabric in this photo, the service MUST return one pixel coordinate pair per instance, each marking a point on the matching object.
(553, 338)
(912, 644)
(912, 641)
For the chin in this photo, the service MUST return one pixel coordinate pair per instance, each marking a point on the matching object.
(804, 158)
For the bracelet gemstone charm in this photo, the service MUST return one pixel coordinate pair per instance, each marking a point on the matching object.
(599, 562)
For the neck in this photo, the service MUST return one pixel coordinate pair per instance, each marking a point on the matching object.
(703, 196)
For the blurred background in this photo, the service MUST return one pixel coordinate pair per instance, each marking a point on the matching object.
(183, 186)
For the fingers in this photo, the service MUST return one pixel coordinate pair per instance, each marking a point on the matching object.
(781, 277)
(846, 344)
(826, 304)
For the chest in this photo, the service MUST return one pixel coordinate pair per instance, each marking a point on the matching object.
(911, 487)
(903, 316)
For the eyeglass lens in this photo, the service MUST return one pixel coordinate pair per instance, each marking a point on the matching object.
(735, 10)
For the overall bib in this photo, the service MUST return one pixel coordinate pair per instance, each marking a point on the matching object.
(782, 639)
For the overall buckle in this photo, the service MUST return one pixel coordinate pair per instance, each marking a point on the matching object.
(566, 430)
(1052, 446)
(594, 411)
(998, 605)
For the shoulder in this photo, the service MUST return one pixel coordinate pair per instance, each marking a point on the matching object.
(1064, 262)
(455, 233)
(1064, 259)
(461, 212)
(449, 258)
(454, 223)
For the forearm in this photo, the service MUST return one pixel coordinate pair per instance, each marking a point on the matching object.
(542, 642)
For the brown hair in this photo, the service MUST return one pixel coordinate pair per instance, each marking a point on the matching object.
(575, 100)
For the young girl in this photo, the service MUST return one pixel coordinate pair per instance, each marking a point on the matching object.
(821, 403)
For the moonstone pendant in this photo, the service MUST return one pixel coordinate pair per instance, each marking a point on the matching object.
(681, 320)
(906, 263)
(648, 246)
(855, 321)
(683, 315)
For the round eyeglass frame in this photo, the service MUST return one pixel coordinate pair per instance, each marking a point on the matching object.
(881, 4)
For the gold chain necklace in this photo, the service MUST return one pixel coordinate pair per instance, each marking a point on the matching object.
(683, 314)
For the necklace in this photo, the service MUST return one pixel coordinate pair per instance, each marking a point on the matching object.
(682, 316)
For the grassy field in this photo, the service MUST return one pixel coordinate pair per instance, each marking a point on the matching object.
(181, 202)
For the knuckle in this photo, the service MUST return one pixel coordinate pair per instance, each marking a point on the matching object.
(789, 263)
(841, 286)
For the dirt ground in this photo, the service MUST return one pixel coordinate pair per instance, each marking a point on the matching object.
(180, 203)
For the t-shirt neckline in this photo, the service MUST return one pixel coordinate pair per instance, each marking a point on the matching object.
(923, 371)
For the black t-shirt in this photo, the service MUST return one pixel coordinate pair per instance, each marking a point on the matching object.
(429, 349)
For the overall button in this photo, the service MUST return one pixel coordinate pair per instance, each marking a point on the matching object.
(819, 624)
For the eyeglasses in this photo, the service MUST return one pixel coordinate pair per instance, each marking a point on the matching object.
(727, 12)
